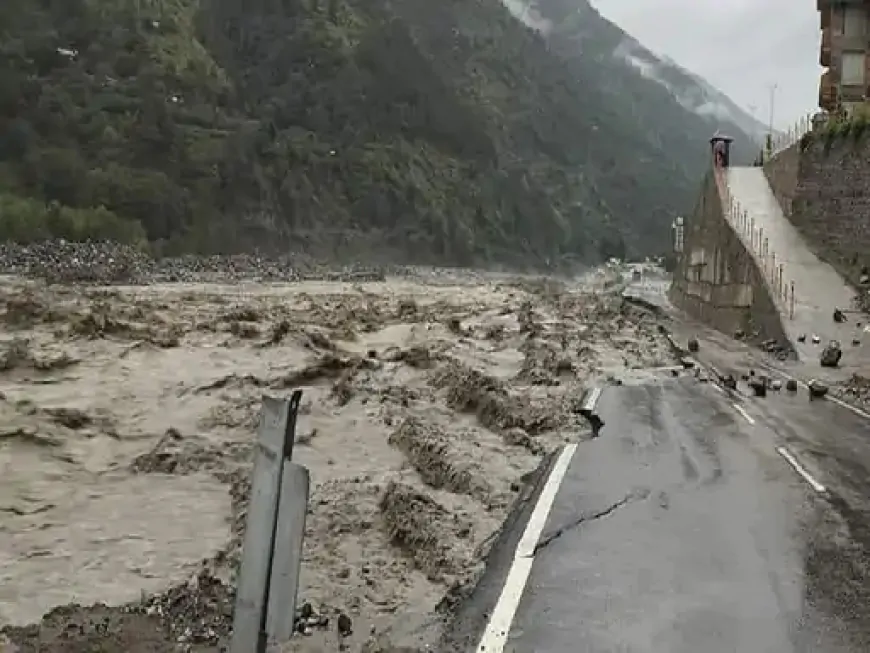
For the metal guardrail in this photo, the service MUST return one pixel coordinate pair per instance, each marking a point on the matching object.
(792, 135)
(268, 582)
(587, 408)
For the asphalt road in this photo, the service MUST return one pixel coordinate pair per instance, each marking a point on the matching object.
(701, 520)
(688, 526)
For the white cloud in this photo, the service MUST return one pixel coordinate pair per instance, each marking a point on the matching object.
(740, 46)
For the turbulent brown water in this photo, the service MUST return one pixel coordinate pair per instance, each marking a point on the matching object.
(128, 416)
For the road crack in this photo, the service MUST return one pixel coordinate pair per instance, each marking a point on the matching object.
(631, 497)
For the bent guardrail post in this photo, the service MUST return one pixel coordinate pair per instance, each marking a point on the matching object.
(275, 526)
(287, 560)
(588, 403)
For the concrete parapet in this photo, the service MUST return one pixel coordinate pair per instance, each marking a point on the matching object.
(717, 280)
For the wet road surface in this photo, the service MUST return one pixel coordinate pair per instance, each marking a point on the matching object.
(687, 527)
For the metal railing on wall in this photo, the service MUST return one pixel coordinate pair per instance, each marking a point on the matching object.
(773, 271)
(784, 140)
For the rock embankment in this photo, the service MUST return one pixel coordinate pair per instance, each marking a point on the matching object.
(106, 262)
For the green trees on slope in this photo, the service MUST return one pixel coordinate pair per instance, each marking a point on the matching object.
(448, 130)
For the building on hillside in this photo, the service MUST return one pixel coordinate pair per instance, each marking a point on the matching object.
(844, 52)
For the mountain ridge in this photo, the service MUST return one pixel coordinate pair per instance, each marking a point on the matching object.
(691, 90)
(439, 133)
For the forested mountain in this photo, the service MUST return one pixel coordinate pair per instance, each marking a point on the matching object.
(446, 132)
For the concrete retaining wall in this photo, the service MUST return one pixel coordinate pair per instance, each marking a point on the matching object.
(824, 189)
(782, 174)
(717, 280)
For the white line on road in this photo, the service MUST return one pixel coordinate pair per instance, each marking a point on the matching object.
(532, 534)
(845, 404)
(499, 626)
(785, 453)
(497, 629)
(742, 411)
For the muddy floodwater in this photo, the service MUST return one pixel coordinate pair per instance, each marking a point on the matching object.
(128, 415)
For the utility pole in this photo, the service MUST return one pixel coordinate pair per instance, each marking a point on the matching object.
(769, 144)
(773, 88)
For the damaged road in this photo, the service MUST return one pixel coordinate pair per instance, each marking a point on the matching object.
(546, 540)
(681, 529)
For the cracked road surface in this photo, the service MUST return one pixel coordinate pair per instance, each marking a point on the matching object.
(682, 529)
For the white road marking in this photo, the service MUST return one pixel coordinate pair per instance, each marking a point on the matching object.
(855, 410)
(532, 534)
(497, 629)
(785, 453)
(499, 626)
(719, 388)
(743, 412)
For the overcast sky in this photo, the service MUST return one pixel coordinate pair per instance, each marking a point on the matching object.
(740, 46)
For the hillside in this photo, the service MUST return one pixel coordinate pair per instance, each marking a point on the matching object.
(435, 132)
(693, 93)
(664, 112)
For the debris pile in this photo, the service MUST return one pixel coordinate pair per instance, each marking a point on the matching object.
(61, 261)
(776, 348)
(196, 615)
(107, 262)
(197, 612)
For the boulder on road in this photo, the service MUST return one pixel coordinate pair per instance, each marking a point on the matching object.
(759, 386)
(831, 354)
(817, 389)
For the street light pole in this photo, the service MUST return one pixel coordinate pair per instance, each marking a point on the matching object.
(768, 149)
(773, 88)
